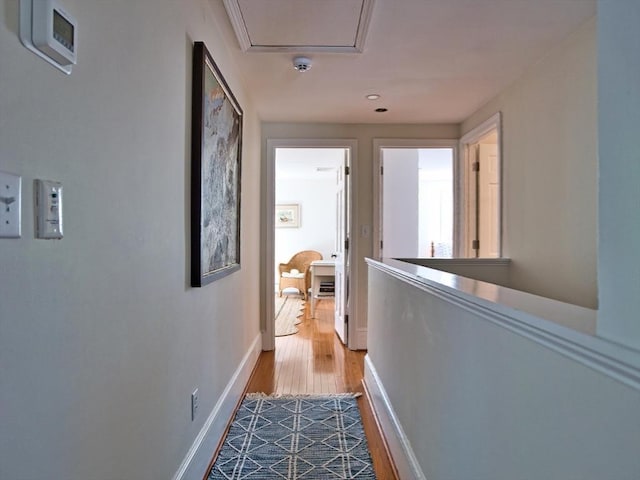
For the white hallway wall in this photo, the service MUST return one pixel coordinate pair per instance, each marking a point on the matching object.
(478, 401)
(101, 338)
(549, 172)
(549, 416)
(619, 169)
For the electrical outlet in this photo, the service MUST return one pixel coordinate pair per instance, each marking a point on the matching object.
(195, 404)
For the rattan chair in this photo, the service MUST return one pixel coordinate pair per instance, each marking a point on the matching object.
(296, 272)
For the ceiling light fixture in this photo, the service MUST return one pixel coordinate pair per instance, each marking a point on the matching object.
(372, 96)
(302, 64)
(382, 110)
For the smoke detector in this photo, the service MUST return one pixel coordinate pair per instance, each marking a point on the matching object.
(302, 64)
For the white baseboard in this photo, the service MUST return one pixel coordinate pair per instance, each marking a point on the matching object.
(198, 457)
(398, 443)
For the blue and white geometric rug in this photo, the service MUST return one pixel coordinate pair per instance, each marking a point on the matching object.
(295, 437)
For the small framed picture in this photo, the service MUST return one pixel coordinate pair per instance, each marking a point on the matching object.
(288, 216)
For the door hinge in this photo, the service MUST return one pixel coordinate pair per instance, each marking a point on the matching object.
(346, 244)
(475, 167)
(347, 170)
(475, 245)
(346, 319)
(381, 170)
(380, 244)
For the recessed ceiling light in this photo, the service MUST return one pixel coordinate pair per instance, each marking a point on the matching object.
(382, 110)
(373, 96)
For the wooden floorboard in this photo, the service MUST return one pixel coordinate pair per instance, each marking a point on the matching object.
(315, 361)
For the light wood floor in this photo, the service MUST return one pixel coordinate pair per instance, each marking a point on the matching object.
(315, 361)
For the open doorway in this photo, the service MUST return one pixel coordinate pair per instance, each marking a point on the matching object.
(306, 232)
(431, 203)
(308, 209)
(415, 197)
(305, 202)
(417, 211)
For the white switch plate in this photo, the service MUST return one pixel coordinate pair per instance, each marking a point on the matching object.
(49, 209)
(195, 404)
(10, 205)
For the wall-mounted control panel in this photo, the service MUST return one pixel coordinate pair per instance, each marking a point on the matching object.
(50, 32)
(10, 205)
(48, 209)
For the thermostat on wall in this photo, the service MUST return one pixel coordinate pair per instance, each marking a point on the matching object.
(50, 32)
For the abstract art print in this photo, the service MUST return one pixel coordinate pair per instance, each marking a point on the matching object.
(216, 147)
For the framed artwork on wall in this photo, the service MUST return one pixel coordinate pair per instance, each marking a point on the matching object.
(288, 215)
(216, 150)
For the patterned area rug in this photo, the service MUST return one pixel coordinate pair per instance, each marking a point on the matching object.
(287, 312)
(295, 437)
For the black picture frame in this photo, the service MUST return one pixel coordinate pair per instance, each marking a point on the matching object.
(216, 167)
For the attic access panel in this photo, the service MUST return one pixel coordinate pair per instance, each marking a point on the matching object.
(300, 25)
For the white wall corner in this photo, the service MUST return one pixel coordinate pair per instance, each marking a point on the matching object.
(399, 446)
(198, 457)
(361, 339)
(618, 172)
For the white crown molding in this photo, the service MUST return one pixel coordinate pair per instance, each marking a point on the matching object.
(363, 26)
(237, 22)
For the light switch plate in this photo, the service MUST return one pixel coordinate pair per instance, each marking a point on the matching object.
(10, 205)
(48, 209)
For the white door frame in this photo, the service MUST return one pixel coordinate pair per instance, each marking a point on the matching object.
(472, 137)
(378, 145)
(267, 226)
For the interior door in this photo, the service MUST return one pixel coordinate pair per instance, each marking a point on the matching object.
(342, 252)
(489, 208)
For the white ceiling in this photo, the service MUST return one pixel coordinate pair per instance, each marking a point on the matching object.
(433, 61)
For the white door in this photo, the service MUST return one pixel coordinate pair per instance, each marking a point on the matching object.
(400, 202)
(488, 201)
(342, 251)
